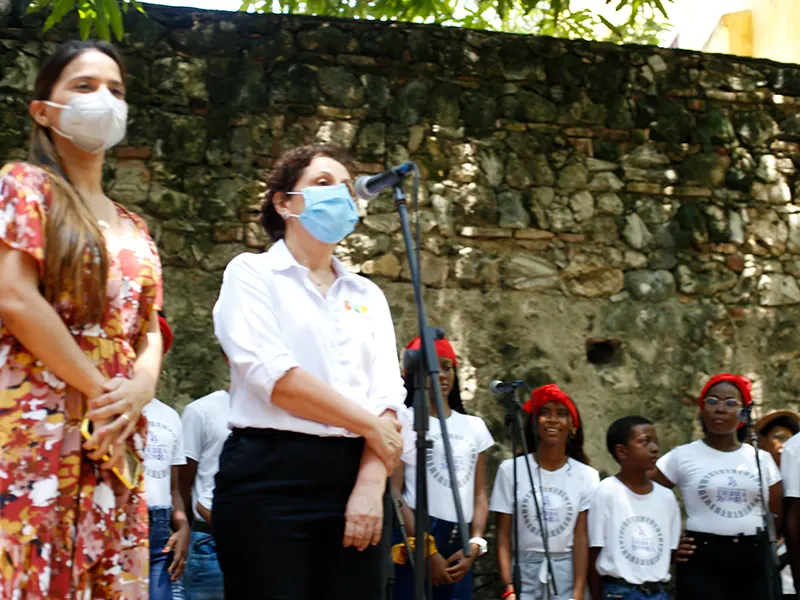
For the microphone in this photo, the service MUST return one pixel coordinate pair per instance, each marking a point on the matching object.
(369, 186)
(504, 387)
(744, 414)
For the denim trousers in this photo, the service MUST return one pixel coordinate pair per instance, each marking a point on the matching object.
(621, 591)
(160, 581)
(202, 579)
(448, 542)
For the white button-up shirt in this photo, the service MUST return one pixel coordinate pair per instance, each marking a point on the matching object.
(270, 318)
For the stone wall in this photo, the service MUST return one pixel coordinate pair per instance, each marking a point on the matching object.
(620, 220)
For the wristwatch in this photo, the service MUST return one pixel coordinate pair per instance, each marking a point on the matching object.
(483, 545)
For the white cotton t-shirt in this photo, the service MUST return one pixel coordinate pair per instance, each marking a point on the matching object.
(567, 493)
(790, 467)
(720, 489)
(163, 450)
(469, 436)
(205, 429)
(637, 533)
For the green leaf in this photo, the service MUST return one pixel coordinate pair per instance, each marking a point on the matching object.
(115, 17)
(609, 24)
(59, 10)
(85, 27)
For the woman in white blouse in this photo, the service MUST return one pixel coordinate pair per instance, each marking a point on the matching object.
(718, 480)
(315, 392)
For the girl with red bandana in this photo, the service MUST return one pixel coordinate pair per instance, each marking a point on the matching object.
(451, 571)
(720, 556)
(564, 484)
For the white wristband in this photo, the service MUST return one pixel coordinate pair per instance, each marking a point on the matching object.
(483, 545)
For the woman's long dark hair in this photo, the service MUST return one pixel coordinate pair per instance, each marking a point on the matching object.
(72, 232)
(453, 398)
(574, 444)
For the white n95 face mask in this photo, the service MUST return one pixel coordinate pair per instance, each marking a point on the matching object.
(93, 122)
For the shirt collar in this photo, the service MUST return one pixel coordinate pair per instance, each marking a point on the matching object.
(280, 259)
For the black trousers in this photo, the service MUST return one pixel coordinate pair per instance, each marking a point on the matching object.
(278, 519)
(725, 568)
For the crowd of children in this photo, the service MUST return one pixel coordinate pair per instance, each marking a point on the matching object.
(580, 538)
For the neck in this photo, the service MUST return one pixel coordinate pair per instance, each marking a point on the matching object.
(549, 457)
(84, 170)
(724, 442)
(311, 253)
(435, 413)
(636, 479)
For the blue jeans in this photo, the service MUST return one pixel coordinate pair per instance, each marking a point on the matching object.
(203, 577)
(448, 542)
(619, 591)
(160, 582)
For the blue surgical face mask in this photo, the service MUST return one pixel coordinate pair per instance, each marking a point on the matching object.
(330, 214)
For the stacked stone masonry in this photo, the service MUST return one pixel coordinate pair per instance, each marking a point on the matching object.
(620, 220)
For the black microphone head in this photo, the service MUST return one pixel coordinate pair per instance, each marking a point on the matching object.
(362, 191)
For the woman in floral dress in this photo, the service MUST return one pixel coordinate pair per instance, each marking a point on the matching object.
(80, 283)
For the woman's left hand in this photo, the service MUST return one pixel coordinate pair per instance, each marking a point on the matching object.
(363, 517)
(459, 565)
(118, 410)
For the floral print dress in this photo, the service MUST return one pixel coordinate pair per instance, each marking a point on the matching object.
(68, 531)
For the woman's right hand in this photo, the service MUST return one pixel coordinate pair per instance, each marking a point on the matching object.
(386, 441)
(685, 549)
(439, 573)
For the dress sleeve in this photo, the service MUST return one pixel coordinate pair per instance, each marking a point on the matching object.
(502, 495)
(669, 465)
(598, 517)
(24, 191)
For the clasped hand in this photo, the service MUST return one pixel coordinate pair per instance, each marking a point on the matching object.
(114, 415)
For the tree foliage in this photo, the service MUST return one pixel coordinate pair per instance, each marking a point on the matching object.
(640, 21)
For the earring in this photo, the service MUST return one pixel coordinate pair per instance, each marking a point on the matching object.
(573, 433)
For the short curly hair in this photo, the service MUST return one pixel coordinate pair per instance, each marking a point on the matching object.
(284, 176)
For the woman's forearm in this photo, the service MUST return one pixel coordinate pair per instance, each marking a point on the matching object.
(580, 556)
(150, 356)
(35, 323)
(303, 395)
(503, 541)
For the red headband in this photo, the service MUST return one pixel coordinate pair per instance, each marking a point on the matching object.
(743, 384)
(443, 348)
(166, 332)
(551, 393)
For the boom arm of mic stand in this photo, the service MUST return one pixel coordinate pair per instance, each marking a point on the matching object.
(430, 366)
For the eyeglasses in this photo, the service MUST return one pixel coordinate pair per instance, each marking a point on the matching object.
(729, 404)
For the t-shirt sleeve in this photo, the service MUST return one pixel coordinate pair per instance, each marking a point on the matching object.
(502, 500)
(483, 435)
(675, 525)
(790, 469)
(591, 481)
(669, 465)
(597, 519)
(24, 191)
(178, 455)
(192, 425)
(772, 474)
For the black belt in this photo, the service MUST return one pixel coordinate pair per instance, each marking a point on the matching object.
(648, 587)
(201, 527)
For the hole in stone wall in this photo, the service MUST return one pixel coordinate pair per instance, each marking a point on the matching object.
(603, 352)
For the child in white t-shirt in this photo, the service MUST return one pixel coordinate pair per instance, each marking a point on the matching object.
(451, 571)
(719, 481)
(564, 483)
(634, 524)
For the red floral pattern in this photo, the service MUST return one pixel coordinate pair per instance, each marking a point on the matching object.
(68, 531)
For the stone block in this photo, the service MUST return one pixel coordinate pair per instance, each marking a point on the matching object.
(525, 271)
(650, 286)
(778, 290)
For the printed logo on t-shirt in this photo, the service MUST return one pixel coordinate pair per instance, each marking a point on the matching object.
(557, 511)
(725, 491)
(157, 451)
(465, 455)
(641, 541)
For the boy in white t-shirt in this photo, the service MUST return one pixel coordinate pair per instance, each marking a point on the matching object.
(634, 523)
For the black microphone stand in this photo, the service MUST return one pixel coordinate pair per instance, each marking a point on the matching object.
(767, 533)
(429, 368)
(514, 420)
